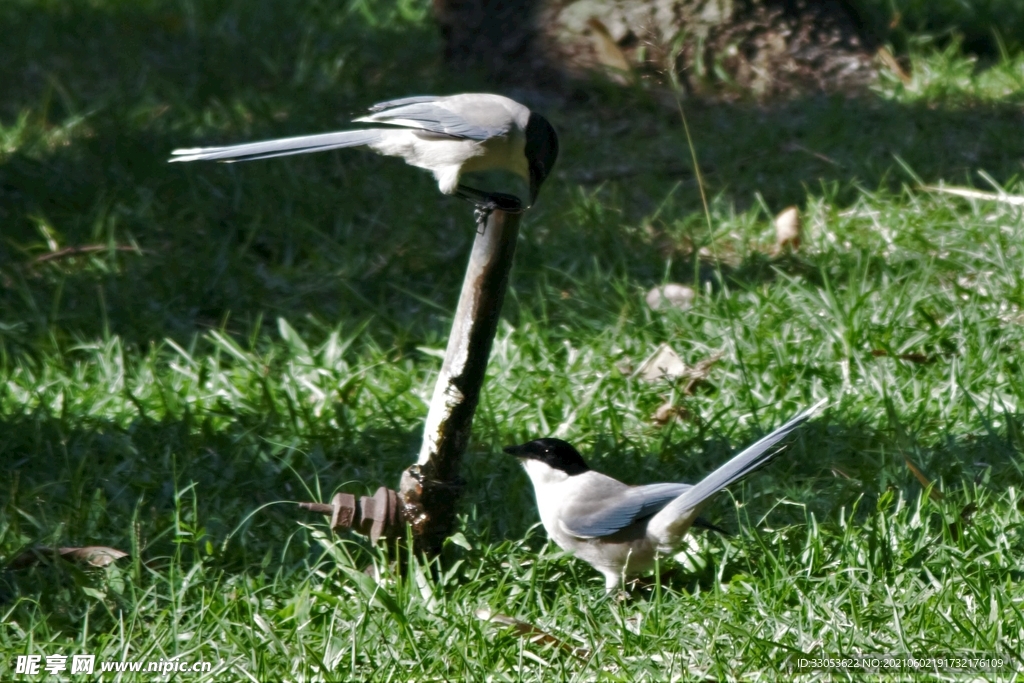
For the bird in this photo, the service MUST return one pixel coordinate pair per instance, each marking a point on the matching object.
(619, 529)
(454, 136)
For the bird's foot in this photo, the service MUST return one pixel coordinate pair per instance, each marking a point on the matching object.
(482, 214)
(486, 203)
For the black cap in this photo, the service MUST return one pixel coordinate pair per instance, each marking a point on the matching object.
(555, 453)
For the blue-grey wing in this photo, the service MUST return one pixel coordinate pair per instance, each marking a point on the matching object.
(620, 511)
(401, 102)
(433, 115)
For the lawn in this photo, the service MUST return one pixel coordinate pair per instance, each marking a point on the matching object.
(188, 350)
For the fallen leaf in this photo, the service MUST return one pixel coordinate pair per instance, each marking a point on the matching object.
(608, 52)
(701, 371)
(671, 295)
(667, 412)
(534, 634)
(788, 230)
(664, 363)
(95, 556)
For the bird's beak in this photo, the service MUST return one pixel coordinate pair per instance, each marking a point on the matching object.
(517, 451)
(537, 176)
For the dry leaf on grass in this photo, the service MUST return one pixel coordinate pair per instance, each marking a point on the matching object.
(701, 371)
(695, 376)
(94, 556)
(609, 54)
(664, 363)
(667, 412)
(671, 295)
(788, 230)
(531, 632)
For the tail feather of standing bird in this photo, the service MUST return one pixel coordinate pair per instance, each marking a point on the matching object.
(674, 519)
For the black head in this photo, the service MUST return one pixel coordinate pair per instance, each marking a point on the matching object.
(555, 453)
(541, 151)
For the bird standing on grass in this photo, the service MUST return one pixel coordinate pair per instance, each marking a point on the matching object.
(619, 529)
(454, 137)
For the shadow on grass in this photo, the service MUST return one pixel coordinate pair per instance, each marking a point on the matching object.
(183, 492)
(176, 491)
(179, 481)
(169, 250)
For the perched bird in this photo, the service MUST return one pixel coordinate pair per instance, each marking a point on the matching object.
(618, 529)
(483, 135)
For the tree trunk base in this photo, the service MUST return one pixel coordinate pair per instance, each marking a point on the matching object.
(713, 48)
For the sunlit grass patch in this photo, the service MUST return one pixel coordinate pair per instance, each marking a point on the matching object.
(185, 353)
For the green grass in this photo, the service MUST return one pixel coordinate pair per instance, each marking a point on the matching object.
(186, 349)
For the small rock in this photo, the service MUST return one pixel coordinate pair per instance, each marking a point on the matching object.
(671, 295)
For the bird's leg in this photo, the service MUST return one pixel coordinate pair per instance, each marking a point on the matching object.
(485, 203)
(612, 580)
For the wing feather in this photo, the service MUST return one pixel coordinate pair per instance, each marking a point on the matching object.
(402, 101)
(619, 512)
(433, 117)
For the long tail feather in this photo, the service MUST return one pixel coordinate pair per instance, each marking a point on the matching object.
(283, 147)
(675, 518)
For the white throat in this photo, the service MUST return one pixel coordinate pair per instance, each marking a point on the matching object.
(543, 475)
(549, 488)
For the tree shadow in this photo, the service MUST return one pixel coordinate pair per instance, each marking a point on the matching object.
(101, 236)
(189, 488)
(99, 474)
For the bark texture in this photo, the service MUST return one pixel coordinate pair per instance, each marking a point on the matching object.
(430, 489)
